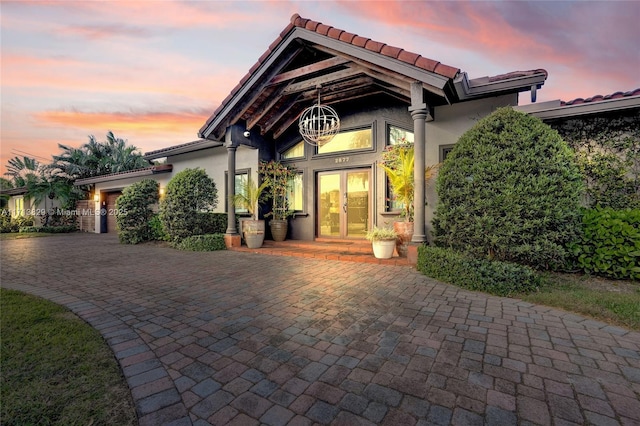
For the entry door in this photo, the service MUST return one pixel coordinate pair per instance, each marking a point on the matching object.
(344, 203)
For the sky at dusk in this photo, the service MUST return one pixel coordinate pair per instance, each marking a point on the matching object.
(153, 71)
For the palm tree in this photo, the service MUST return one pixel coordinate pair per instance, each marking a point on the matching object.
(96, 158)
(22, 170)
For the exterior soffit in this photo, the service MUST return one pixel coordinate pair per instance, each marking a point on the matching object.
(272, 98)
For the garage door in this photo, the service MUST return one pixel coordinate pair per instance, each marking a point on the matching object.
(111, 209)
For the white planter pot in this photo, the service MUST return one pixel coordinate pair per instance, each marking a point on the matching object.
(383, 249)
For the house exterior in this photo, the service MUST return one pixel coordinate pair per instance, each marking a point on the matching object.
(381, 94)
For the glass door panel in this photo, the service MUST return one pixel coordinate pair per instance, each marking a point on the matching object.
(357, 203)
(329, 204)
(343, 204)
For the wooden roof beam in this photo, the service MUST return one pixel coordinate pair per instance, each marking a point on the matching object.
(308, 69)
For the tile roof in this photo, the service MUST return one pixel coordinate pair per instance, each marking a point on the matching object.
(170, 148)
(516, 74)
(384, 49)
(598, 98)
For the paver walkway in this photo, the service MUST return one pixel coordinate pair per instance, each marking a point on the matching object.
(241, 338)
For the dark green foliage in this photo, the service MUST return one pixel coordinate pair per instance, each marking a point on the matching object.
(490, 276)
(207, 242)
(63, 229)
(608, 152)
(13, 224)
(157, 230)
(133, 211)
(214, 223)
(509, 190)
(189, 192)
(610, 243)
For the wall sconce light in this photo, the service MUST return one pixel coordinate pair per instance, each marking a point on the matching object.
(96, 197)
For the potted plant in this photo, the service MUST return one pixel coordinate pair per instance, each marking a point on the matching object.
(383, 241)
(398, 164)
(277, 178)
(249, 198)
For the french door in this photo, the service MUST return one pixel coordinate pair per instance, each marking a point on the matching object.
(344, 206)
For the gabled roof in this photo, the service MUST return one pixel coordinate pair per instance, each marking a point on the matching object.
(308, 54)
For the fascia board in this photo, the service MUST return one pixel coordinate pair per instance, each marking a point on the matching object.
(546, 113)
(468, 90)
(183, 150)
(379, 59)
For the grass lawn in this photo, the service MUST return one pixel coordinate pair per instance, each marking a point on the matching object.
(56, 369)
(21, 235)
(611, 301)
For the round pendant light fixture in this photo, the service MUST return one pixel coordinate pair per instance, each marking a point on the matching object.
(318, 124)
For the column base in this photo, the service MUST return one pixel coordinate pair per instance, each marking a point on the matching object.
(412, 253)
(232, 240)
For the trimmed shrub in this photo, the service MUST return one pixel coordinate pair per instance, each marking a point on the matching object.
(610, 243)
(214, 223)
(157, 230)
(189, 193)
(491, 276)
(207, 242)
(510, 190)
(13, 224)
(134, 211)
(49, 229)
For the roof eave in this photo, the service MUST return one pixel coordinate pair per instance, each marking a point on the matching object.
(14, 191)
(473, 89)
(203, 144)
(149, 171)
(553, 109)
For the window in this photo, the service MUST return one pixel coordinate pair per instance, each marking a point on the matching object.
(295, 194)
(19, 206)
(296, 151)
(444, 151)
(240, 181)
(396, 136)
(348, 141)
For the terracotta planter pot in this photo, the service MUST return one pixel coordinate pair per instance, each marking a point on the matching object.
(383, 249)
(279, 229)
(405, 233)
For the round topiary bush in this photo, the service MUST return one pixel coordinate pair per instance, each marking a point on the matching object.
(189, 193)
(134, 211)
(510, 190)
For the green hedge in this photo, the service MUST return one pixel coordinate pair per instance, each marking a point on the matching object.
(49, 229)
(207, 242)
(13, 224)
(213, 223)
(610, 243)
(491, 276)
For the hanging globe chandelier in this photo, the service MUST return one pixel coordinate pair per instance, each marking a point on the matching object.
(318, 124)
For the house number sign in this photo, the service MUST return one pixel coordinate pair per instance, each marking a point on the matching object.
(342, 160)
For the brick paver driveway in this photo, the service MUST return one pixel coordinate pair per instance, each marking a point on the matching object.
(240, 338)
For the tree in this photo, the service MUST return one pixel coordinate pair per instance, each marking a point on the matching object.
(510, 190)
(22, 170)
(189, 193)
(96, 158)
